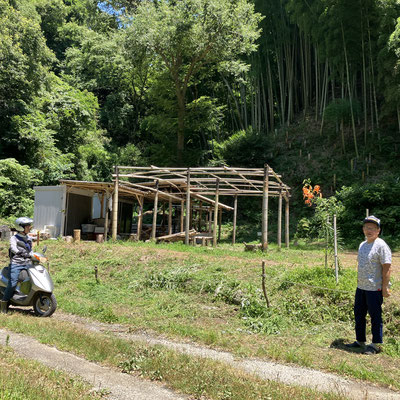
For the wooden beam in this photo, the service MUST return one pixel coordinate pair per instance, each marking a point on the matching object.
(212, 202)
(115, 206)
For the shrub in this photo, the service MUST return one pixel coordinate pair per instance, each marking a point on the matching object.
(16, 193)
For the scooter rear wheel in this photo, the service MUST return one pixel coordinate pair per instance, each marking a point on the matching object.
(45, 305)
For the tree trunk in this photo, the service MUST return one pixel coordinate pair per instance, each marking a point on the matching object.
(350, 96)
(181, 127)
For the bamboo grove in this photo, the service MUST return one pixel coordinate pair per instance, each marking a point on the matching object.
(335, 60)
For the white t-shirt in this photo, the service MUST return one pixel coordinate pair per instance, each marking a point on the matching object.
(371, 256)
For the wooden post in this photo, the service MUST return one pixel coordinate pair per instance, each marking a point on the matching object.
(140, 217)
(200, 215)
(216, 213)
(163, 214)
(170, 216)
(219, 225)
(115, 206)
(154, 227)
(326, 241)
(106, 217)
(187, 222)
(280, 220)
(234, 219)
(99, 238)
(265, 209)
(287, 222)
(210, 219)
(102, 206)
(335, 249)
(182, 213)
(263, 276)
(77, 235)
(38, 238)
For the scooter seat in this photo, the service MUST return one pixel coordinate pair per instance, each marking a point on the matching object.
(23, 275)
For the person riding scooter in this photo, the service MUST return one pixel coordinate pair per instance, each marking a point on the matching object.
(20, 258)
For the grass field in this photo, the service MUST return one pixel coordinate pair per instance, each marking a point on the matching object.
(23, 380)
(214, 297)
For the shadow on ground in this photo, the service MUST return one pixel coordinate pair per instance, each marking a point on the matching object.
(341, 345)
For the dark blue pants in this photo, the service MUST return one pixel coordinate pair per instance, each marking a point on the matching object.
(13, 280)
(371, 302)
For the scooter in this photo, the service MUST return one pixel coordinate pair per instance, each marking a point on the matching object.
(35, 287)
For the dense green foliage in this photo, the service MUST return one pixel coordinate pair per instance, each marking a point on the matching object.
(86, 84)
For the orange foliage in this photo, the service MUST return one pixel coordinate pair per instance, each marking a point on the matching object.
(310, 192)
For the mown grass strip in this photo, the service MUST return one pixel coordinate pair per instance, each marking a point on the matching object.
(28, 380)
(191, 375)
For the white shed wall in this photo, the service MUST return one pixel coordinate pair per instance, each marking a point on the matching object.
(96, 211)
(49, 207)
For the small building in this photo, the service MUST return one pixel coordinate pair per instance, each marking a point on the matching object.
(78, 205)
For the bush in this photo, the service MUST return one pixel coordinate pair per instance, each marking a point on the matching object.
(16, 193)
(381, 199)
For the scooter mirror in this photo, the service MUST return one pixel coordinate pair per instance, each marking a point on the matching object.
(44, 249)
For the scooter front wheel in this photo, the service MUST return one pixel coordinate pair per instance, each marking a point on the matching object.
(44, 305)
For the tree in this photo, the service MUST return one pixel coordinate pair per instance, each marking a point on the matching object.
(389, 58)
(187, 36)
(60, 136)
(24, 62)
(100, 66)
(16, 193)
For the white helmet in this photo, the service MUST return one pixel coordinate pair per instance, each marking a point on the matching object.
(23, 222)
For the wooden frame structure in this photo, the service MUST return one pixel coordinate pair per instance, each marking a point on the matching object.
(204, 186)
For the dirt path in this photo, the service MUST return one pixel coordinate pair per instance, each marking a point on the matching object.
(287, 374)
(119, 386)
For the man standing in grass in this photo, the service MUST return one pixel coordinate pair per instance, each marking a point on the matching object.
(374, 261)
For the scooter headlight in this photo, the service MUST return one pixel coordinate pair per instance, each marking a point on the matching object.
(39, 258)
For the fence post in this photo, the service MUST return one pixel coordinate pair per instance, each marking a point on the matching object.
(335, 243)
(263, 283)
